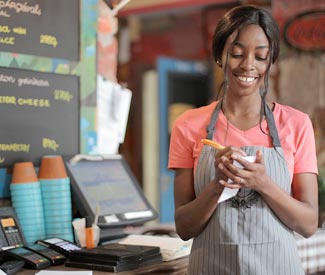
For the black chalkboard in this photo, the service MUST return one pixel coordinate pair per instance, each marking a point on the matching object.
(49, 28)
(39, 115)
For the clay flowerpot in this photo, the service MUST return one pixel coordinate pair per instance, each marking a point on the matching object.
(52, 167)
(24, 172)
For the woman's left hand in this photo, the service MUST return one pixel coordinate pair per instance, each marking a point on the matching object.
(251, 176)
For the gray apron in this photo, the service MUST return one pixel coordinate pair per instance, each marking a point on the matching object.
(244, 236)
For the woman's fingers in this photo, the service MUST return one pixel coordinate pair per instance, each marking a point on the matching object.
(231, 171)
(241, 172)
(228, 152)
(238, 169)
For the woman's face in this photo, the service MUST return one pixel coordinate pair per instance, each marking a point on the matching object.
(248, 60)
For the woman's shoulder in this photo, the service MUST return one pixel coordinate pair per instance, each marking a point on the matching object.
(193, 122)
(196, 115)
(287, 114)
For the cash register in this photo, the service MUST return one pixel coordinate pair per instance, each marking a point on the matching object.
(108, 184)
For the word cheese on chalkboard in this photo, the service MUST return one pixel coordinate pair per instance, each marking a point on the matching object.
(39, 115)
(48, 28)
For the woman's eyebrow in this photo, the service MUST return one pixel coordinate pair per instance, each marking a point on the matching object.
(262, 47)
(236, 43)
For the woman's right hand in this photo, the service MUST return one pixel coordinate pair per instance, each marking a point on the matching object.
(228, 152)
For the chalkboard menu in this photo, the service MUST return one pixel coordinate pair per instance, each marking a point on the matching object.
(49, 28)
(39, 115)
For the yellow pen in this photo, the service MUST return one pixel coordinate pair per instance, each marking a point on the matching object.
(213, 144)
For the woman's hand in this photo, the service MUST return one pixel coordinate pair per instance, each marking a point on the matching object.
(251, 176)
(224, 156)
(228, 153)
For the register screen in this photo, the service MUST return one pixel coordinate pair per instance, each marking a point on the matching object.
(109, 184)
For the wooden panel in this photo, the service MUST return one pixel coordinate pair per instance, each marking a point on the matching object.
(145, 6)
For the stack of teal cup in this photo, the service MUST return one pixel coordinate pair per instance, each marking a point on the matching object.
(26, 198)
(56, 195)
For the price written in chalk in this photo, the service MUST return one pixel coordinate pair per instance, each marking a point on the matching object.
(50, 144)
(48, 40)
(62, 95)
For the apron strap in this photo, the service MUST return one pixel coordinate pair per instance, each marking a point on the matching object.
(269, 118)
(211, 127)
(271, 124)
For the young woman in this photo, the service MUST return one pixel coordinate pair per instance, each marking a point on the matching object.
(252, 232)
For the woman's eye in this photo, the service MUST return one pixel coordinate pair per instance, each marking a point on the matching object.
(236, 55)
(261, 58)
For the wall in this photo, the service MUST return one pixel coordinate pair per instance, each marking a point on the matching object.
(178, 35)
(300, 76)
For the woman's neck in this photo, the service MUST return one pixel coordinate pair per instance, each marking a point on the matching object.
(247, 107)
(244, 114)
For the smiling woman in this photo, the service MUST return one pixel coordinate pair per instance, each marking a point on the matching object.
(252, 231)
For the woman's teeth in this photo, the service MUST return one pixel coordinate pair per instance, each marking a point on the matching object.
(246, 79)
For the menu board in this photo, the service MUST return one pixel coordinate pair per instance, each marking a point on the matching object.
(49, 28)
(39, 115)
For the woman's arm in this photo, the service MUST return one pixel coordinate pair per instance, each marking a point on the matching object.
(192, 213)
(299, 212)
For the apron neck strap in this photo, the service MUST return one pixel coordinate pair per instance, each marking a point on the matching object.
(271, 124)
(212, 125)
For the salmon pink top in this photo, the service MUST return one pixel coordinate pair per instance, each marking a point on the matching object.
(294, 128)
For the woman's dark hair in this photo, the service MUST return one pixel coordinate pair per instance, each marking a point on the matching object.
(239, 17)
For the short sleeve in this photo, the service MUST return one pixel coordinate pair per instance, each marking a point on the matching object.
(305, 160)
(180, 148)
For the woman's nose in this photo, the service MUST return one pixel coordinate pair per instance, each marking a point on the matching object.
(247, 63)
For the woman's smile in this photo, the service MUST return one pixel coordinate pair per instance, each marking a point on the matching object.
(246, 79)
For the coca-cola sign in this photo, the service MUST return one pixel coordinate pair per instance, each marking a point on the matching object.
(306, 31)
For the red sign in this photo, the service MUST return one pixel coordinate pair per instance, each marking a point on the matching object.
(306, 31)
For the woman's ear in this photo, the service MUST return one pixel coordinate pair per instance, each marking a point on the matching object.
(219, 63)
